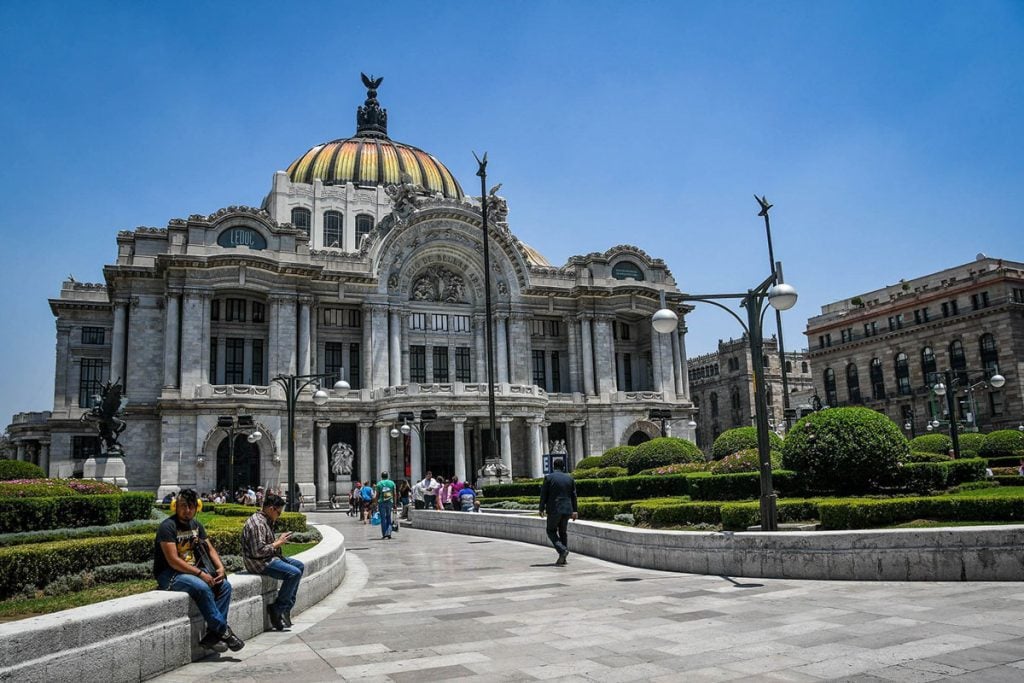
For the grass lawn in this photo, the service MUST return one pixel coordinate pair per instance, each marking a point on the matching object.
(993, 492)
(21, 608)
(933, 523)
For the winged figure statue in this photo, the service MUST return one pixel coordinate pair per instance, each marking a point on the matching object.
(107, 414)
(370, 82)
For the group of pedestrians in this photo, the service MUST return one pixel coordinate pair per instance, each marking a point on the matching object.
(184, 559)
(444, 494)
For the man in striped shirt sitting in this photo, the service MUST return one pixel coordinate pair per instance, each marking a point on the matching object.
(262, 554)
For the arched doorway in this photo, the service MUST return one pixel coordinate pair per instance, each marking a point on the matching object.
(247, 463)
(638, 438)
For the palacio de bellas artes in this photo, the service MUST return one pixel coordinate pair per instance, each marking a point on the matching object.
(365, 263)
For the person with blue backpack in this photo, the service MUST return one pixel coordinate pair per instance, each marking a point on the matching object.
(366, 496)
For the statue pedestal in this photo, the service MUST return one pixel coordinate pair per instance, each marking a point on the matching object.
(493, 472)
(108, 468)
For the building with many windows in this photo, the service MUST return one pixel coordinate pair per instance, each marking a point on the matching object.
(887, 348)
(365, 261)
(722, 387)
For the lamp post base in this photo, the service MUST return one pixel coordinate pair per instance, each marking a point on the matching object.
(769, 516)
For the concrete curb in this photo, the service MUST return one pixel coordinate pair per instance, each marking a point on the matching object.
(987, 553)
(140, 636)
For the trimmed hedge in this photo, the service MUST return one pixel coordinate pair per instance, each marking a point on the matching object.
(617, 456)
(971, 442)
(868, 513)
(48, 488)
(664, 450)
(741, 516)
(642, 487)
(747, 460)
(931, 443)
(58, 512)
(1002, 443)
(741, 486)
(19, 469)
(922, 477)
(669, 513)
(925, 456)
(740, 439)
(588, 462)
(133, 528)
(599, 473)
(1005, 461)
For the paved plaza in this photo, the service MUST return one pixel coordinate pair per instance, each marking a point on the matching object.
(429, 606)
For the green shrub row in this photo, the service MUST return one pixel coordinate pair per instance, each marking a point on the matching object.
(742, 516)
(1005, 442)
(744, 485)
(1005, 461)
(673, 513)
(131, 528)
(49, 488)
(31, 514)
(599, 473)
(589, 462)
(741, 439)
(871, 513)
(922, 477)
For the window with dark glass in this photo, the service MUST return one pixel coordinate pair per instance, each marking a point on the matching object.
(215, 310)
(334, 358)
(714, 405)
(539, 375)
(463, 371)
(354, 378)
(439, 322)
(364, 224)
(555, 328)
(831, 397)
(627, 269)
(257, 362)
(957, 360)
(736, 405)
(556, 373)
(627, 372)
(301, 219)
(441, 363)
(624, 331)
(332, 229)
(989, 354)
(803, 367)
(258, 312)
(91, 377)
(213, 360)
(877, 380)
(852, 384)
(903, 374)
(92, 335)
(234, 310)
(418, 364)
(234, 361)
(1018, 295)
(83, 447)
(928, 366)
(789, 366)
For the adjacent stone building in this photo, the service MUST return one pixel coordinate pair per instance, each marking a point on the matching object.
(887, 348)
(365, 261)
(722, 387)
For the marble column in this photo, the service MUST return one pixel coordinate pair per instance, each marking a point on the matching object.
(364, 451)
(459, 424)
(544, 437)
(379, 347)
(677, 364)
(574, 353)
(304, 336)
(604, 355)
(480, 347)
(287, 361)
(587, 349)
(576, 449)
(684, 370)
(62, 391)
(217, 373)
(656, 376)
(323, 476)
(194, 345)
(21, 451)
(415, 455)
(118, 341)
(536, 462)
(205, 339)
(273, 338)
(171, 336)
(520, 361)
(44, 457)
(506, 442)
(395, 353)
(383, 448)
(365, 356)
(501, 349)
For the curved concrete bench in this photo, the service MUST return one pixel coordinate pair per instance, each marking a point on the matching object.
(140, 636)
(983, 553)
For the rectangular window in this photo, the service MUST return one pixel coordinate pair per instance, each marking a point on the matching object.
(460, 323)
(995, 403)
(539, 375)
(917, 316)
(1018, 295)
(984, 300)
(974, 302)
(234, 310)
(92, 335)
(418, 363)
(215, 310)
(892, 324)
(331, 317)
(828, 341)
(439, 322)
(355, 317)
(954, 306)
(554, 328)
(332, 229)
(441, 362)
(234, 363)
(462, 365)
(354, 378)
(83, 447)
(945, 309)
(334, 358)
(627, 372)
(847, 335)
(93, 374)
(537, 328)
(556, 373)
(624, 331)
(258, 312)
(257, 362)
(213, 360)
(417, 321)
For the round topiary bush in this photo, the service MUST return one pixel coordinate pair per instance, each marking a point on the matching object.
(589, 462)
(931, 443)
(847, 450)
(1004, 442)
(662, 451)
(743, 461)
(19, 469)
(971, 442)
(740, 438)
(617, 456)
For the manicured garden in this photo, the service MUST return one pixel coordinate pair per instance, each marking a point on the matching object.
(841, 468)
(70, 542)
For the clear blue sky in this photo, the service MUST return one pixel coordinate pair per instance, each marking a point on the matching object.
(888, 135)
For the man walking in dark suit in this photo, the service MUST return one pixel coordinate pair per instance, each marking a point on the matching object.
(558, 500)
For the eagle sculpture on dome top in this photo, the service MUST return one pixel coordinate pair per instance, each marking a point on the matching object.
(370, 82)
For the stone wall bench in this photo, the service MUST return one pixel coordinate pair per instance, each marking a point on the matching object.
(981, 553)
(140, 636)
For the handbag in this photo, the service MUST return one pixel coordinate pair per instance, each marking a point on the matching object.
(375, 519)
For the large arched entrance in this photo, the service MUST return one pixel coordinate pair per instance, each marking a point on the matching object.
(638, 438)
(247, 463)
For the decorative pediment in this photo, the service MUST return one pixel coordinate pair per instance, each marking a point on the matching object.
(437, 283)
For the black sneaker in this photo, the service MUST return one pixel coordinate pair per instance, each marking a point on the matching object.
(276, 619)
(212, 641)
(231, 640)
(286, 617)
(561, 561)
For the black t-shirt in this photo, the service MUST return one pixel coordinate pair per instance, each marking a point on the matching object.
(183, 535)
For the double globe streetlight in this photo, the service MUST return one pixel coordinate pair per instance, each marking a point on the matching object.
(948, 389)
(781, 297)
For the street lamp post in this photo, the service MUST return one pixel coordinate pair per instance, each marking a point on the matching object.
(781, 297)
(409, 423)
(488, 313)
(293, 386)
(776, 269)
(949, 391)
(235, 427)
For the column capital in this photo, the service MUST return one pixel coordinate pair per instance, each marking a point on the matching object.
(198, 292)
(306, 299)
(323, 424)
(459, 419)
(604, 317)
(585, 315)
(121, 301)
(579, 423)
(173, 292)
(536, 421)
(281, 297)
(504, 419)
(375, 308)
(382, 424)
(365, 424)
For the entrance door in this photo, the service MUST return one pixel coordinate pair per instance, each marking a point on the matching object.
(247, 463)
(440, 453)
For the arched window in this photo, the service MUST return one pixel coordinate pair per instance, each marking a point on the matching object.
(789, 366)
(624, 270)
(736, 405)
(852, 384)
(332, 229)
(803, 367)
(903, 374)
(301, 219)
(714, 405)
(831, 397)
(989, 353)
(877, 380)
(364, 224)
(928, 369)
(957, 360)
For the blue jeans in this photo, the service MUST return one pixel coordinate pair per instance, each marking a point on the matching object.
(385, 508)
(213, 608)
(289, 571)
